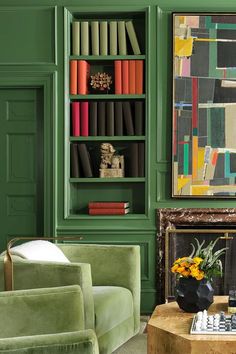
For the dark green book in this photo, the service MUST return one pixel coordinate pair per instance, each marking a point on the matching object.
(138, 118)
(85, 160)
(134, 160)
(101, 118)
(93, 118)
(118, 119)
(128, 119)
(141, 159)
(110, 118)
(74, 161)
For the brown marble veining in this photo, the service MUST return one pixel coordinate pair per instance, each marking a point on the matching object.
(187, 218)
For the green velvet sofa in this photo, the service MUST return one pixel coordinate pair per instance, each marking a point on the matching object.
(35, 321)
(109, 277)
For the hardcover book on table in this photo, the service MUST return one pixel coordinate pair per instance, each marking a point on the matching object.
(116, 211)
(107, 205)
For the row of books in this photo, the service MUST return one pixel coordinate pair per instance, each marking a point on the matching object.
(85, 160)
(107, 118)
(103, 37)
(129, 77)
(108, 208)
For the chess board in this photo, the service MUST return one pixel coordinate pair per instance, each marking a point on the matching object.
(218, 323)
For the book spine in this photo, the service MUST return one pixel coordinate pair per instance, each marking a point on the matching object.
(122, 38)
(95, 37)
(84, 38)
(141, 159)
(84, 114)
(73, 77)
(76, 38)
(125, 76)
(128, 120)
(85, 160)
(93, 119)
(113, 37)
(74, 161)
(118, 77)
(108, 211)
(132, 77)
(101, 118)
(138, 77)
(75, 108)
(132, 37)
(83, 73)
(118, 119)
(107, 205)
(138, 118)
(110, 118)
(103, 38)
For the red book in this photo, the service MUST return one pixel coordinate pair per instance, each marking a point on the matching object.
(73, 77)
(125, 76)
(101, 211)
(138, 77)
(132, 77)
(84, 118)
(75, 114)
(106, 205)
(118, 84)
(83, 76)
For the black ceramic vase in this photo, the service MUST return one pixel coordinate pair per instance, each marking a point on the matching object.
(193, 295)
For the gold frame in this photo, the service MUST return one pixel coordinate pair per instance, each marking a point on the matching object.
(8, 261)
(170, 230)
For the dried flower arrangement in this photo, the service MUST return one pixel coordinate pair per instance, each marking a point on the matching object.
(101, 81)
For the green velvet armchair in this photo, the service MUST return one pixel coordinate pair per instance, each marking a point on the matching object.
(35, 321)
(109, 277)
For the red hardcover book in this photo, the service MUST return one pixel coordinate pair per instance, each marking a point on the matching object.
(101, 211)
(106, 205)
(132, 77)
(125, 76)
(118, 78)
(83, 76)
(138, 77)
(75, 108)
(73, 77)
(84, 118)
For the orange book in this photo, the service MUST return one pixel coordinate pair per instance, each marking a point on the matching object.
(132, 77)
(73, 77)
(125, 76)
(138, 77)
(118, 84)
(83, 76)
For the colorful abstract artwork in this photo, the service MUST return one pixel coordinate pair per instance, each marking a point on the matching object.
(204, 105)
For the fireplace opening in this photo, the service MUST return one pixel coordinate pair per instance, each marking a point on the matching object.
(186, 224)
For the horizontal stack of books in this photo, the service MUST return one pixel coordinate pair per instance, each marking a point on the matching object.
(108, 208)
(103, 37)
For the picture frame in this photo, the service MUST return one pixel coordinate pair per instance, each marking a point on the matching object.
(204, 105)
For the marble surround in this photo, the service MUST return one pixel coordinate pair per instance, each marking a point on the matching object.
(187, 218)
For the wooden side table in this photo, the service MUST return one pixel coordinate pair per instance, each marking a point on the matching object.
(168, 332)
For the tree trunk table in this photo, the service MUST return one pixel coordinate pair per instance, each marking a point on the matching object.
(169, 328)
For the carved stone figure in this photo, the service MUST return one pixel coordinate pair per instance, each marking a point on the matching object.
(111, 165)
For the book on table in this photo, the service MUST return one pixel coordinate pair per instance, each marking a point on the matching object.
(106, 205)
(108, 211)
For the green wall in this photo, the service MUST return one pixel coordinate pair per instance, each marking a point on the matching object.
(32, 54)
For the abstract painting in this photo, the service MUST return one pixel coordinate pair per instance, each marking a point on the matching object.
(204, 106)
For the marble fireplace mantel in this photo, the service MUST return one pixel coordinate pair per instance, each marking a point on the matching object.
(187, 218)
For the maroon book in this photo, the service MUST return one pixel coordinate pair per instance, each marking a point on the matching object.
(84, 118)
(75, 115)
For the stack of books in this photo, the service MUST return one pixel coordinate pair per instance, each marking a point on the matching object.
(108, 208)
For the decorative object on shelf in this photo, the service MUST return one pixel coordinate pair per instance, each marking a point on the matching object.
(111, 165)
(204, 106)
(101, 82)
(194, 291)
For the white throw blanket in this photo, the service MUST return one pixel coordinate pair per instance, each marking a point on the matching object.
(40, 250)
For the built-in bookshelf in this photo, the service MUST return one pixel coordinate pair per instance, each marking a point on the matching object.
(114, 44)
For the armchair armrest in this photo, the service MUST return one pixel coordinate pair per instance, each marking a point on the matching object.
(110, 265)
(40, 274)
(84, 341)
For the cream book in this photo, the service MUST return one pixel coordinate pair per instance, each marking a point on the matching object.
(132, 37)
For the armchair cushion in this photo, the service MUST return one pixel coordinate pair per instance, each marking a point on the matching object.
(113, 305)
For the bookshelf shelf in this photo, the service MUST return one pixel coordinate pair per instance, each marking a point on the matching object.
(108, 138)
(107, 57)
(107, 180)
(108, 96)
(104, 217)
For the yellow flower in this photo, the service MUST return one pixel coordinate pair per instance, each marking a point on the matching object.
(180, 270)
(186, 273)
(174, 268)
(197, 260)
(200, 275)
